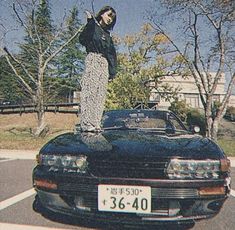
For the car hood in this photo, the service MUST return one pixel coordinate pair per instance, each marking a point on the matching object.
(123, 143)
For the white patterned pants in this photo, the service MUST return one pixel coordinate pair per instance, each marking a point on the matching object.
(93, 91)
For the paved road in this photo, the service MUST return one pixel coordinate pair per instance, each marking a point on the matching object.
(17, 195)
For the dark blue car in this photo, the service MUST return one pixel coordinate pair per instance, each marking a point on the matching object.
(144, 168)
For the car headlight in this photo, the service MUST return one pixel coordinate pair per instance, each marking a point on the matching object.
(78, 163)
(193, 169)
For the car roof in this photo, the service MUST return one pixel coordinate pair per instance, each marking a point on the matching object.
(145, 111)
(140, 110)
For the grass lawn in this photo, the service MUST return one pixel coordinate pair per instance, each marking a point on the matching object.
(16, 131)
(228, 145)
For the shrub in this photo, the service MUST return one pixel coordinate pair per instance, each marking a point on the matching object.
(196, 118)
(180, 108)
(230, 113)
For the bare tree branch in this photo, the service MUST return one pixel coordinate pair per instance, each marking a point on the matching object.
(21, 64)
(221, 60)
(27, 28)
(203, 60)
(61, 47)
(28, 88)
(92, 7)
(190, 65)
(197, 52)
(18, 16)
(227, 96)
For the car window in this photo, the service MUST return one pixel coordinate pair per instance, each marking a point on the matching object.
(130, 119)
(144, 119)
(145, 123)
(176, 124)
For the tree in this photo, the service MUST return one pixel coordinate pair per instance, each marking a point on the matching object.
(68, 66)
(206, 46)
(10, 88)
(140, 63)
(180, 108)
(41, 50)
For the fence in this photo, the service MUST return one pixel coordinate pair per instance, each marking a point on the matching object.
(31, 108)
(60, 107)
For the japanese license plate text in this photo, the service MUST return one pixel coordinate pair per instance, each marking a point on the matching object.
(124, 198)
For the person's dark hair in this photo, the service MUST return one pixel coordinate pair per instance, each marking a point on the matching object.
(103, 10)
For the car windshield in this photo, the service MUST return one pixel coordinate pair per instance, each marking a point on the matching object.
(143, 119)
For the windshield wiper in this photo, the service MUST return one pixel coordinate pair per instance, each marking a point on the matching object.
(166, 131)
(120, 128)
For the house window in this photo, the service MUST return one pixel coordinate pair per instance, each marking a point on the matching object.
(216, 98)
(192, 100)
(154, 97)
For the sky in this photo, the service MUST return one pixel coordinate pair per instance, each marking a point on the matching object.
(130, 16)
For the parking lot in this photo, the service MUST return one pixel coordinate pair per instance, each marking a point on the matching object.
(17, 196)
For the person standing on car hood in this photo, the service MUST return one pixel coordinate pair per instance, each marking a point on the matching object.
(100, 66)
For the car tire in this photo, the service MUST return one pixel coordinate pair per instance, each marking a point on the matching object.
(37, 206)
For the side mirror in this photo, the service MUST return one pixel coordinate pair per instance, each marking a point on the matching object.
(195, 129)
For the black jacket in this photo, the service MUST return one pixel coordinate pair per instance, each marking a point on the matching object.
(98, 40)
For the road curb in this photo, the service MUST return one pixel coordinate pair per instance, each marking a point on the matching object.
(25, 227)
(232, 160)
(18, 154)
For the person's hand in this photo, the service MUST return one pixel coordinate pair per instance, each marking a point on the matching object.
(88, 14)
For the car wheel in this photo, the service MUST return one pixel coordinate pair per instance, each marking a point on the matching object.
(37, 206)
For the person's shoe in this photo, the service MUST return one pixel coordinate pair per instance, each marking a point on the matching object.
(98, 129)
(90, 129)
(94, 130)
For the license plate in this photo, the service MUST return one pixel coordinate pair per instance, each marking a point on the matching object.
(124, 198)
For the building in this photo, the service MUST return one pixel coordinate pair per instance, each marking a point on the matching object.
(188, 91)
(232, 101)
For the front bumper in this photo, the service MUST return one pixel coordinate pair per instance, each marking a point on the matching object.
(172, 201)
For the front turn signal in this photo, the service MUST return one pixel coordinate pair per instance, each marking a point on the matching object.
(212, 191)
(45, 184)
(225, 165)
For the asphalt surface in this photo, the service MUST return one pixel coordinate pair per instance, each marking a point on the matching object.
(17, 196)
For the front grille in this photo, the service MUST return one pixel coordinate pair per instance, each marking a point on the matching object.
(87, 192)
(160, 196)
(159, 207)
(177, 193)
(127, 168)
(79, 188)
(158, 193)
